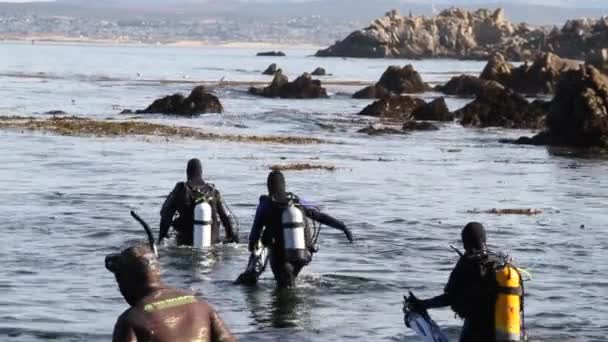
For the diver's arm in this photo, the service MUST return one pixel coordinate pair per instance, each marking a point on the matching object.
(167, 212)
(258, 223)
(230, 225)
(219, 331)
(327, 220)
(436, 302)
(123, 331)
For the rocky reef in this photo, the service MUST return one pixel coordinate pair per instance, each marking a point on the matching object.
(538, 78)
(453, 33)
(462, 34)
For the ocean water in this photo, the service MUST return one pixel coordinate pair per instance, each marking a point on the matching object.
(65, 201)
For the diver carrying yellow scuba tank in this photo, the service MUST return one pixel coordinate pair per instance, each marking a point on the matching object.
(509, 308)
(485, 289)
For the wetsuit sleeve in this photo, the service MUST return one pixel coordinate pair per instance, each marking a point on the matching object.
(259, 220)
(168, 211)
(219, 331)
(317, 215)
(456, 281)
(230, 225)
(323, 218)
(123, 331)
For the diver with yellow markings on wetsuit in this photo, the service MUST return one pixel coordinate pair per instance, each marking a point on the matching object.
(159, 313)
(485, 289)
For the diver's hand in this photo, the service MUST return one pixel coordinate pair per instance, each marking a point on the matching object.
(349, 235)
(416, 304)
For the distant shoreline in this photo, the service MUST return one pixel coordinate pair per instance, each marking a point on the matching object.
(178, 43)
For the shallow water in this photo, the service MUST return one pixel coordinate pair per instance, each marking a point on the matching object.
(65, 201)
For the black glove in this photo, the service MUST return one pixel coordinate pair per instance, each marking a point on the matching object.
(349, 234)
(416, 304)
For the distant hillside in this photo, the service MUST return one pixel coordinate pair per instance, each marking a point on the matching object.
(540, 12)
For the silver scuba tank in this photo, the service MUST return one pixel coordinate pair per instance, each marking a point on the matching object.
(294, 236)
(201, 228)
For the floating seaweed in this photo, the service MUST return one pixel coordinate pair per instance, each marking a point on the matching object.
(302, 167)
(78, 126)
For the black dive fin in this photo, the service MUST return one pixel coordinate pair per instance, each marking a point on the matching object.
(148, 232)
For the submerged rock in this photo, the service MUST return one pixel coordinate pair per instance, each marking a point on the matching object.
(395, 80)
(538, 78)
(400, 106)
(55, 112)
(198, 102)
(501, 107)
(303, 87)
(373, 130)
(578, 114)
(271, 54)
(419, 126)
(271, 70)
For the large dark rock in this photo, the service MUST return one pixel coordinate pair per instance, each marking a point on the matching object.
(304, 87)
(395, 80)
(578, 114)
(465, 85)
(436, 110)
(198, 102)
(271, 54)
(501, 107)
(400, 106)
(453, 33)
(271, 70)
(538, 78)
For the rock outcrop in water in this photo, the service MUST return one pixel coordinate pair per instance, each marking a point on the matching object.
(394, 81)
(397, 106)
(497, 106)
(198, 102)
(319, 72)
(271, 54)
(271, 70)
(465, 85)
(303, 87)
(409, 108)
(538, 78)
(453, 33)
(578, 114)
(436, 110)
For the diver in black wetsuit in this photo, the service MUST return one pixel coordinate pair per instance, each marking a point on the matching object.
(182, 200)
(268, 216)
(468, 294)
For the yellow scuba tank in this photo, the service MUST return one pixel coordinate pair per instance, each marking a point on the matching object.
(508, 314)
